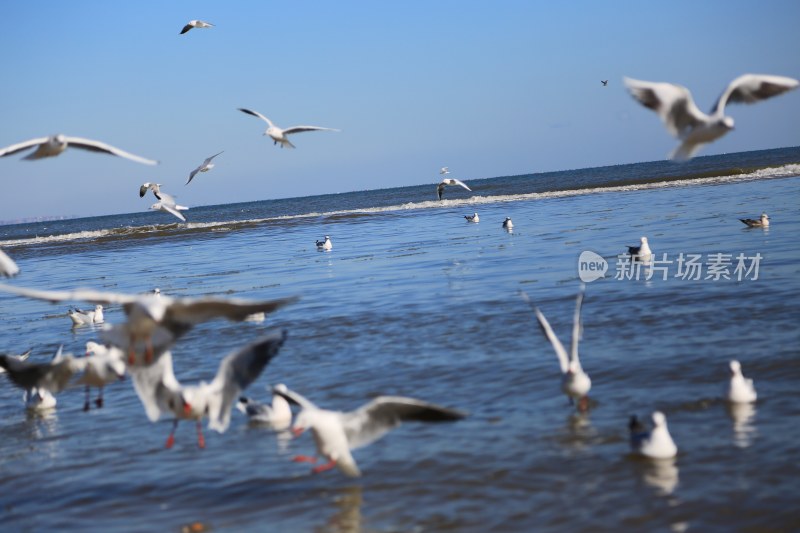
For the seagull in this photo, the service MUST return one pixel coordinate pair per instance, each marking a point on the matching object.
(53, 376)
(37, 399)
(167, 205)
(604, 82)
(156, 321)
(278, 415)
(575, 383)
(337, 433)
(739, 389)
(685, 121)
(20, 357)
(507, 224)
(81, 318)
(8, 267)
(449, 181)
(325, 245)
(642, 252)
(277, 134)
(195, 24)
(55, 144)
(444, 170)
(762, 222)
(656, 443)
(205, 167)
(473, 218)
(161, 393)
(104, 365)
(147, 186)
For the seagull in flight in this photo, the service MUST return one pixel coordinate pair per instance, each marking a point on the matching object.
(162, 394)
(695, 129)
(604, 82)
(155, 322)
(205, 167)
(336, 433)
(167, 204)
(277, 134)
(444, 170)
(575, 383)
(147, 186)
(55, 144)
(449, 181)
(762, 222)
(195, 24)
(8, 267)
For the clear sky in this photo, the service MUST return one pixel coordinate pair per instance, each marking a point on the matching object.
(486, 88)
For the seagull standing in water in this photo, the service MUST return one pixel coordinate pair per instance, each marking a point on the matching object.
(575, 383)
(55, 144)
(337, 433)
(205, 167)
(654, 444)
(739, 389)
(762, 222)
(642, 252)
(82, 318)
(508, 225)
(104, 365)
(325, 244)
(195, 24)
(161, 393)
(278, 135)
(278, 415)
(695, 129)
(473, 218)
(8, 267)
(449, 181)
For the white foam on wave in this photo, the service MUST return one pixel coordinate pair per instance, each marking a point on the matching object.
(765, 173)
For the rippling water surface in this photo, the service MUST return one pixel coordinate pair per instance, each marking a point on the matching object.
(417, 302)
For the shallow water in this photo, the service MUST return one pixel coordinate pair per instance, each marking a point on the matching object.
(417, 302)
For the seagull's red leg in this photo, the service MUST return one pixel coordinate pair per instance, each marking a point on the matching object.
(131, 352)
(99, 401)
(201, 441)
(171, 438)
(304, 459)
(323, 468)
(86, 402)
(583, 404)
(148, 351)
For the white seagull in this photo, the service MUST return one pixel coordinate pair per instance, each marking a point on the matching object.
(444, 170)
(147, 186)
(8, 267)
(575, 383)
(508, 225)
(53, 376)
(205, 167)
(739, 389)
(195, 24)
(473, 218)
(642, 252)
(449, 181)
(81, 318)
(162, 394)
(654, 444)
(278, 416)
(685, 121)
(167, 205)
(55, 144)
(277, 134)
(325, 244)
(37, 399)
(337, 433)
(155, 322)
(762, 222)
(104, 365)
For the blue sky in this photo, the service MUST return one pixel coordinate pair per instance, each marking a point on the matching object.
(486, 88)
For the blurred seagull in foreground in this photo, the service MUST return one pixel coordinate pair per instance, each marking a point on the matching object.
(325, 244)
(575, 383)
(642, 252)
(162, 394)
(277, 134)
(20, 357)
(449, 181)
(739, 389)
(278, 415)
(195, 24)
(656, 443)
(155, 322)
(685, 121)
(82, 318)
(762, 222)
(8, 267)
(147, 186)
(337, 433)
(205, 167)
(55, 144)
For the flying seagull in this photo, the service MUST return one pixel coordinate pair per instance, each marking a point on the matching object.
(205, 167)
(762, 222)
(444, 170)
(155, 321)
(167, 204)
(449, 181)
(195, 24)
(277, 134)
(147, 186)
(162, 394)
(604, 82)
(337, 433)
(55, 144)
(656, 443)
(686, 122)
(575, 383)
(8, 267)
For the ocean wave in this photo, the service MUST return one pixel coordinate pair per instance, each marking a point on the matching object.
(157, 230)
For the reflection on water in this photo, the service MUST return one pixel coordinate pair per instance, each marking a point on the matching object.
(742, 414)
(44, 429)
(661, 475)
(347, 518)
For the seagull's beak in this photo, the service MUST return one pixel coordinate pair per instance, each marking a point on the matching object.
(187, 409)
